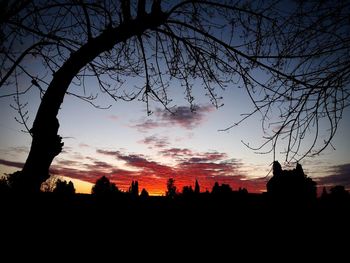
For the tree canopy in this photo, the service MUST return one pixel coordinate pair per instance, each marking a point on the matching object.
(291, 58)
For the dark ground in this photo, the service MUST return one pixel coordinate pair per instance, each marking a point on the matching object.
(203, 227)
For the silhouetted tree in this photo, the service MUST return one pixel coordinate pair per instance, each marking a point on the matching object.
(104, 188)
(187, 191)
(17, 182)
(171, 188)
(4, 186)
(338, 192)
(223, 190)
(64, 188)
(134, 188)
(144, 194)
(196, 188)
(324, 194)
(243, 191)
(216, 188)
(292, 57)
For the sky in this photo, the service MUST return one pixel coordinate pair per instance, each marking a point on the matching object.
(124, 143)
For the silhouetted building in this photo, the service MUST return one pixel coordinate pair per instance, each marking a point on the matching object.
(291, 185)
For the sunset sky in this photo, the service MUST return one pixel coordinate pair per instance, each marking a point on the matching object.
(124, 143)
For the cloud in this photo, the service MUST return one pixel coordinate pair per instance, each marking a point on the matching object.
(182, 116)
(192, 157)
(146, 125)
(339, 175)
(154, 141)
(206, 167)
(208, 157)
(18, 149)
(185, 117)
(113, 117)
(11, 164)
(139, 161)
(65, 162)
(99, 166)
(176, 152)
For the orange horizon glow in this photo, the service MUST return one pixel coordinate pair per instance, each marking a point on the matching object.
(158, 187)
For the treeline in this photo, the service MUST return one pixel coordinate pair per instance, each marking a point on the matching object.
(292, 186)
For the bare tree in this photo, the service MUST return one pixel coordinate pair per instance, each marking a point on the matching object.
(292, 59)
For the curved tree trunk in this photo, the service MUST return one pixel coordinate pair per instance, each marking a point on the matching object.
(46, 142)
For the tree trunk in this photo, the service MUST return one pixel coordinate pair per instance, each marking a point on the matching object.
(46, 142)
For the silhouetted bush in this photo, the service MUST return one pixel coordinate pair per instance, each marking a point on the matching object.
(144, 194)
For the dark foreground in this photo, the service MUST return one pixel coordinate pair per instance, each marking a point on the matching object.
(160, 225)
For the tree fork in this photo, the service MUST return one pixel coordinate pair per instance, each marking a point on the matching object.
(46, 143)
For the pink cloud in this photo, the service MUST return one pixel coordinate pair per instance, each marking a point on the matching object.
(113, 117)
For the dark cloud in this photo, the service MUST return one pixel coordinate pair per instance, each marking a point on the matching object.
(339, 175)
(185, 117)
(106, 152)
(147, 125)
(192, 157)
(98, 165)
(11, 164)
(66, 162)
(176, 152)
(182, 116)
(208, 157)
(155, 141)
